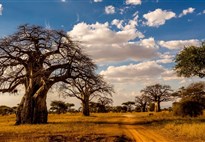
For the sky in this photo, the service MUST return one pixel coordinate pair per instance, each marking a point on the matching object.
(133, 42)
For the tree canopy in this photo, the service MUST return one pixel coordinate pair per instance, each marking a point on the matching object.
(37, 58)
(191, 61)
(158, 93)
(86, 88)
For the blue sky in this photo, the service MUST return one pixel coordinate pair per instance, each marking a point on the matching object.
(133, 42)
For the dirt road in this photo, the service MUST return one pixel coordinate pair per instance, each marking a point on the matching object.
(141, 133)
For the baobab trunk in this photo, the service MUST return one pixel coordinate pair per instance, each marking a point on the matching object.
(40, 114)
(32, 110)
(86, 109)
(157, 106)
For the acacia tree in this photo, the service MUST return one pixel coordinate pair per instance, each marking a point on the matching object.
(59, 107)
(158, 93)
(128, 105)
(191, 61)
(194, 92)
(37, 58)
(86, 88)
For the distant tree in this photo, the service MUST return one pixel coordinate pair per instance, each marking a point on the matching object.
(194, 92)
(35, 58)
(141, 102)
(104, 103)
(158, 93)
(191, 61)
(192, 100)
(129, 105)
(86, 88)
(58, 107)
(188, 108)
(5, 110)
(93, 106)
(70, 105)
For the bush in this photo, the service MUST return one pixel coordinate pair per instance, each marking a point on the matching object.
(188, 108)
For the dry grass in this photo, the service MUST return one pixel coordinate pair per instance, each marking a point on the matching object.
(77, 126)
(68, 125)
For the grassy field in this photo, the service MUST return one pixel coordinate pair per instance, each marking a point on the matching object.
(102, 127)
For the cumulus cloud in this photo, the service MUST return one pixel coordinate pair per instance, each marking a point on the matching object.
(158, 17)
(98, 0)
(105, 45)
(148, 72)
(1, 9)
(133, 2)
(179, 44)
(187, 11)
(118, 23)
(110, 9)
(165, 58)
(133, 72)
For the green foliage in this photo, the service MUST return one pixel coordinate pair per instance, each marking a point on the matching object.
(188, 108)
(191, 61)
(60, 107)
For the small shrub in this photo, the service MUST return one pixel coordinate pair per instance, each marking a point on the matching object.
(188, 108)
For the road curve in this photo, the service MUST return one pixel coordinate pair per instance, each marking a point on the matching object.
(141, 134)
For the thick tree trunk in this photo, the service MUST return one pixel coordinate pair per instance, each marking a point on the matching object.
(40, 114)
(157, 106)
(86, 109)
(32, 110)
(144, 107)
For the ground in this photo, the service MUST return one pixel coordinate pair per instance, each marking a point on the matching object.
(107, 127)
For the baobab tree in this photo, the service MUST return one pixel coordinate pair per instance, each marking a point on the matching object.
(158, 93)
(37, 58)
(87, 88)
(141, 102)
(104, 103)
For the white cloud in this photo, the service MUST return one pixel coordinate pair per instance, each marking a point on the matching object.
(1, 9)
(118, 23)
(133, 72)
(133, 2)
(203, 12)
(105, 45)
(63, 0)
(170, 75)
(158, 17)
(144, 73)
(165, 58)
(110, 9)
(179, 44)
(98, 0)
(187, 11)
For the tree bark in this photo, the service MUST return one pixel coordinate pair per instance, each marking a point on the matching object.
(33, 108)
(157, 106)
(86, 109)
(40, 114)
